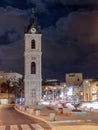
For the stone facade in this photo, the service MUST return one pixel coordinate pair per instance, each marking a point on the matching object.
(12, 76)
(90, 90)
(32, 55)
(74, 79)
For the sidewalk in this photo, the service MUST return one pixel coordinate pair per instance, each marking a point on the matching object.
(83, 120)
(73, 117)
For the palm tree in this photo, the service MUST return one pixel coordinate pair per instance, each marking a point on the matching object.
(18, 88)
(4, 87)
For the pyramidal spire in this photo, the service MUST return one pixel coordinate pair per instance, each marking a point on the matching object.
(32, 23)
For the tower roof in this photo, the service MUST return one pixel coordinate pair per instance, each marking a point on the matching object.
(32, 23)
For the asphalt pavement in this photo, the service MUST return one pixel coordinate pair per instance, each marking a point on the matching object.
(10, 119)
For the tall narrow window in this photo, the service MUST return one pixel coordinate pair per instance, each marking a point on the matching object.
(33, 68)
(33, 44)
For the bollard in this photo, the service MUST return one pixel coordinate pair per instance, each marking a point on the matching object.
(66, 110)
(27, 110)
(91, 109)
(37, 112)
(52, 116)
(20, 107)
(31, 111)
(69, 114)
(23, 108)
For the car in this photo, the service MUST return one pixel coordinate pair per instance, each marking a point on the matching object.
(58, 108)
(70, 106)
(53, 103)
(44, 102)
(58, 105)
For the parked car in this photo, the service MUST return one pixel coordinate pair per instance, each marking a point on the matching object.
(58, 108)
(44, 102)
(58, 105)
(70, 106)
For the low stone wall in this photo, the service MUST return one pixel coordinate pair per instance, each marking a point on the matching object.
(79, 113)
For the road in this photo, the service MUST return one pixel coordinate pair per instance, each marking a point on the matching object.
(12, 120)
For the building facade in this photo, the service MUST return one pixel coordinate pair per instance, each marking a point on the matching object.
(12, 76)
(32, 56)
(90, 90)
(74, 79)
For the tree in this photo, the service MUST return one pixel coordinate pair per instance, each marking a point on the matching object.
(16, 88)
(19, 88)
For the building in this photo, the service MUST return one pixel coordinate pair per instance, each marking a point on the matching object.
(74, 79)
(90, 89)
(74, 82)
(32, 56)
(53, 82)
(13, 76)
(5, 95)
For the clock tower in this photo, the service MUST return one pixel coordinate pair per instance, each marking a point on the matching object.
(32, 57)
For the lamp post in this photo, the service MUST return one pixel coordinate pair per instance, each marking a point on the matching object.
(64, 86)
(53, 90)
(46, 92)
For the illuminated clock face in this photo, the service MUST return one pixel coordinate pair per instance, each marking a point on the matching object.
(33, 30)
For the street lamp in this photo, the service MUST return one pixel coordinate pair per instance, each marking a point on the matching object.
(53, 90)
(64, 86)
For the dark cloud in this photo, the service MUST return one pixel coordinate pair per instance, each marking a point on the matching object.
(12, 24)
(9, 37)
(10, 19)
(69, 28)
(11, 57)
(72, 44)
(73, 1)
(49, 11)
(21, 4)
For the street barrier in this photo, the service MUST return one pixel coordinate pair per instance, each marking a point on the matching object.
(20, 107)
(37, 112)
(31, 111)
(52, 116)
(23, 108)
(27, 110)
(66, 110)
(79, 113)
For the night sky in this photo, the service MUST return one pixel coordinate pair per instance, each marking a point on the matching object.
(70, 36)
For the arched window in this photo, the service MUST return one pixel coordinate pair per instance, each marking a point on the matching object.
(33, 44)
(33, 68)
